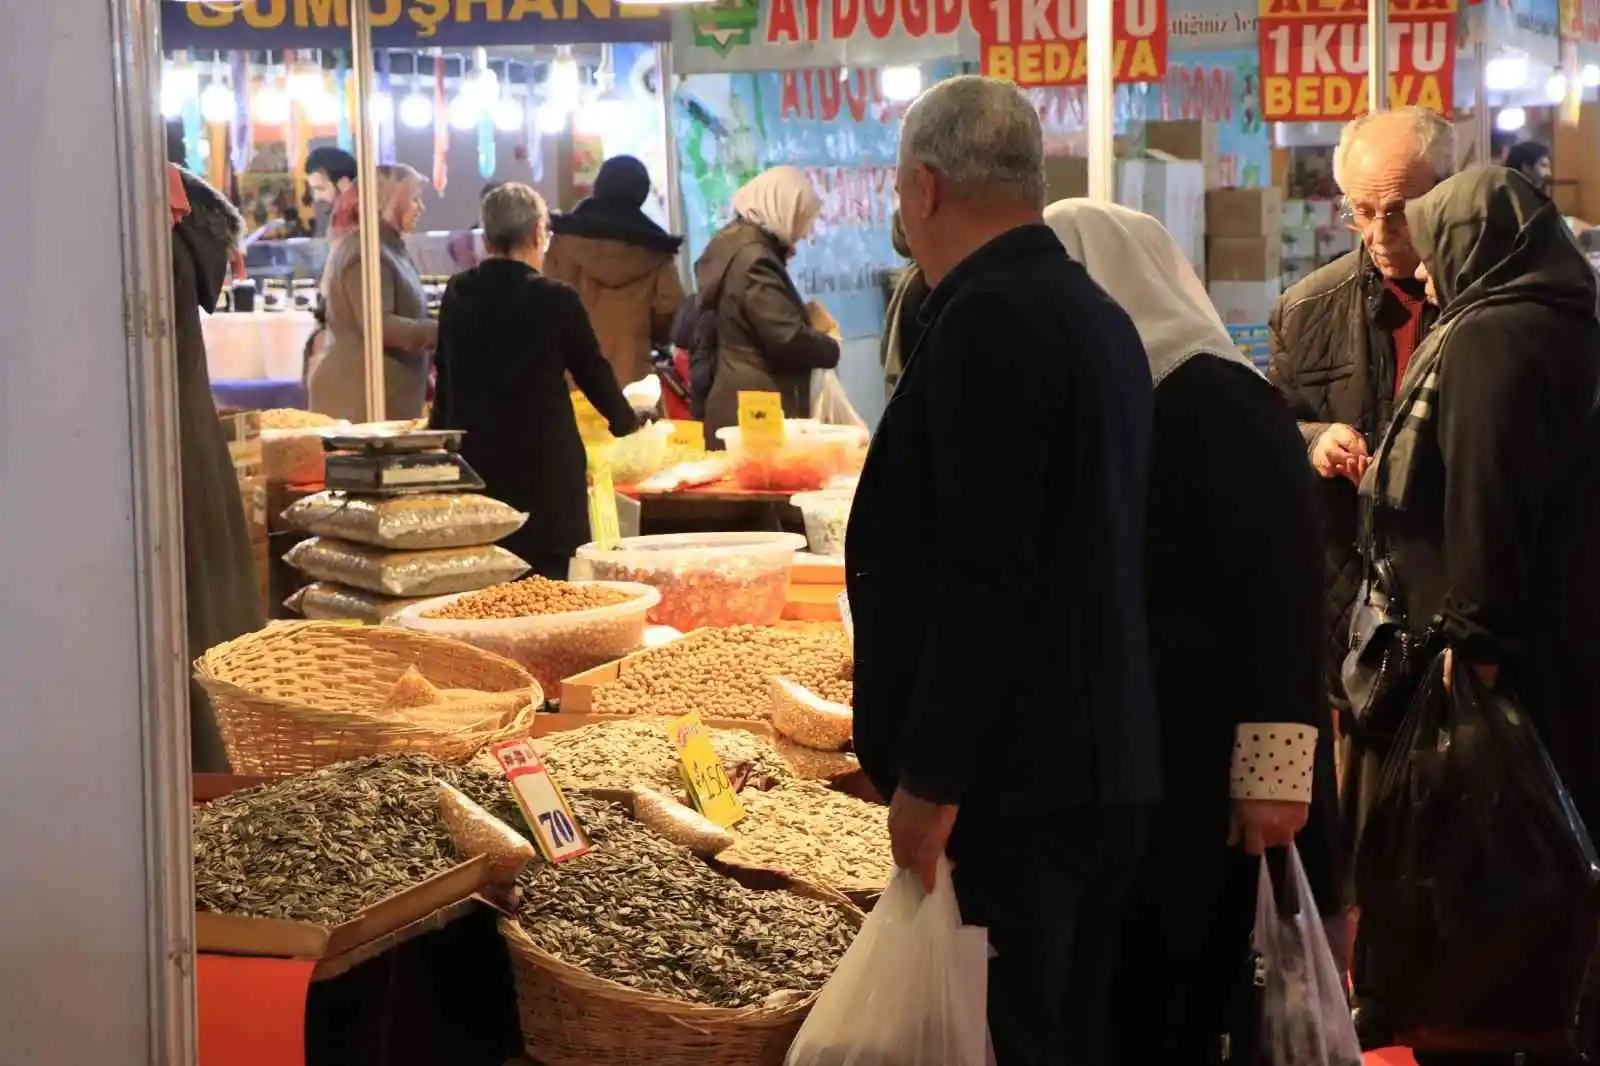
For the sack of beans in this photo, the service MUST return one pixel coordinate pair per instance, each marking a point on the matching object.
(406, 523)
(325, 601)
(404, 573)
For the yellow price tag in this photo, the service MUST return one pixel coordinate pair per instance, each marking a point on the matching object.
(689, 434)
(760, 418)
(603, 524)
(703, 774)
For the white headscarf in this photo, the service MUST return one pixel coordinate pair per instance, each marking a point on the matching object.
(781, 201)
(1136, 261)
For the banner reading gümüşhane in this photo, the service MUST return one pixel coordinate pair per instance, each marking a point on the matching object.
(1314, 57)
(257, 24)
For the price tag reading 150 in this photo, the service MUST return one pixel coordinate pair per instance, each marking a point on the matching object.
(703, 774)
(555, 830)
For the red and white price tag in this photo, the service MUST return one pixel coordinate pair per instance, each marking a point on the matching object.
(555, 829)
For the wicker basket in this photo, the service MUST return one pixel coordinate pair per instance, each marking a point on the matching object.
(572, 1018)
(297, 696)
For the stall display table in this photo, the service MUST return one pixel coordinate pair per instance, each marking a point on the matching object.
(721, 505)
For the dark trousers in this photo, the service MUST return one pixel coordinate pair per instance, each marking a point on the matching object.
(551, 566)
(1051, 892)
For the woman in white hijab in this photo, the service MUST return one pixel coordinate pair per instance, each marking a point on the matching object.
(1233, 582)
(753, 332)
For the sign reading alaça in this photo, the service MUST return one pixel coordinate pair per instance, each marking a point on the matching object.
(1314, 57)
(555, 829)
(1045, 42)
(256, 24)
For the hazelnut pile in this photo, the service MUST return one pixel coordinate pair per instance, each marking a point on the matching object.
(726, 673)
(530, 596)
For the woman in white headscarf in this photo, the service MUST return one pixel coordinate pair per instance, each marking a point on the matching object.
(753, 332)
(1233, 578)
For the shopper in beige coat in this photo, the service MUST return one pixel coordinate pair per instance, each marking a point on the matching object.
(623, 265)
(338, 380)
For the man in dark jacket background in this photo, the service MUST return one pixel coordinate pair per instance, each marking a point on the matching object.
(1003, 698)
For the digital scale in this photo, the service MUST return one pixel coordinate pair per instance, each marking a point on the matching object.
(395, 462)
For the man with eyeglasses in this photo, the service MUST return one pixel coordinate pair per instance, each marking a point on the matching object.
(1341, 339)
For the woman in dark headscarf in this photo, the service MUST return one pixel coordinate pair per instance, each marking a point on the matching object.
(1485, 492)
(623, 265)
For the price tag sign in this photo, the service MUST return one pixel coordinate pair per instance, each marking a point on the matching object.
(603, 524)
(760, 418)
(687, 433)
(703, 774)
(555, 830)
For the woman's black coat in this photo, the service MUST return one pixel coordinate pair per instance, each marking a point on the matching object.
(508, 337)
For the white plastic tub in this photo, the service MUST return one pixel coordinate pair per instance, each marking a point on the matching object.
(549, 646)
(825, 515)
(705, 579)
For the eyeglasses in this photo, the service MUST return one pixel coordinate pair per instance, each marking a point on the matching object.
(1361, 218)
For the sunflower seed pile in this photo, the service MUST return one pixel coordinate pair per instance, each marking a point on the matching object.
(624, 754)
(324, 846)
(816, 834)
(647, 914)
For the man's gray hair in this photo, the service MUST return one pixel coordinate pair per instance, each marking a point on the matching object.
(1436, 140)
(512, 217)
(982, 136)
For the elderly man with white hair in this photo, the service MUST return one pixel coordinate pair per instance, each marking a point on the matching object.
(995, 569)
(1341, 341)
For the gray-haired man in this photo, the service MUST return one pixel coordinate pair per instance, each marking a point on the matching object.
(996, 578)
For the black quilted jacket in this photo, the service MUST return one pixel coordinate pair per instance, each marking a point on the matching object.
(1333, 361)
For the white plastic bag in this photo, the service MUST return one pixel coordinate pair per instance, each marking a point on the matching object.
(829, 404)
(1305, 1014)
(912, 990)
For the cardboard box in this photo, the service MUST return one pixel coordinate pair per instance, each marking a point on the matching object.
(1244, 303)
(1299, 243)
(1322, 214)
(1067, 177)
(1293, 215)
(1192, 139)
(1244, 258)
(1175, 193)
(1243, 212)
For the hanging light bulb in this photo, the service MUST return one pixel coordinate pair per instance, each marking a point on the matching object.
(1556, 88)
(305, 82)
(1591, 75)
(565, 87)
(270, 106)
(1510, 119)
(380, 106)
(901, 84)
(216, 104)
(416, 111)
(1504, 73)
(552, 118)
(323, 109)
(463, 112)
(509, 115)
(179, 85)
(483, 84)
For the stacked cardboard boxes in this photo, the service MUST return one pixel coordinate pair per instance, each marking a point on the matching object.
(1244, 253)
(1173, 192)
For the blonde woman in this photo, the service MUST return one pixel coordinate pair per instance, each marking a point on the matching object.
(753, 332)
(338, 380)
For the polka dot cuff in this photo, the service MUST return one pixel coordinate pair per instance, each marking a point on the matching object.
(1273, 761)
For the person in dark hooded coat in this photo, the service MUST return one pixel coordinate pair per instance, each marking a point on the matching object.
(221, 589)
(623, 265)
(1486, 489)
(508, 338)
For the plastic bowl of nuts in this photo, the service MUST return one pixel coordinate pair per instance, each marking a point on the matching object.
(705, 579)
(825, 514)
(552, 629)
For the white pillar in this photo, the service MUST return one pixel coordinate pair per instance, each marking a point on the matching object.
(1099, 112)
(93, 730)
(366, 181)
(1378, 55)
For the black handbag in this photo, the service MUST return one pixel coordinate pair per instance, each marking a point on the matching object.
(1387, 659)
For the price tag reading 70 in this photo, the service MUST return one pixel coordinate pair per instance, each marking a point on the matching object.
(703, 774)
(555, 830)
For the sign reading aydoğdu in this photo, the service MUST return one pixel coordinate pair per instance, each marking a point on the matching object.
(1044, 42)
(1314, 57)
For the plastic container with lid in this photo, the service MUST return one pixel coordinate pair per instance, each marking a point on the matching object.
(705, 579)
(801, 462)
(551, 647)
(637, 456)
(825, 514)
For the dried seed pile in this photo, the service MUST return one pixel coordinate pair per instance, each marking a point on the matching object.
(647, 914)
(625, 754)
(290, 418)
(322, 847)
(528, 597)
(726, 673)
(816, 834)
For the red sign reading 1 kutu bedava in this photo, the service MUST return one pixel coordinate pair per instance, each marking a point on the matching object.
(1043, 42)
(1314, 57)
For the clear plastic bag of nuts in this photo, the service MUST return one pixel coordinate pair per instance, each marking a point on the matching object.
(474, 831)
(434, 572)
(551, 647)
(407, 523)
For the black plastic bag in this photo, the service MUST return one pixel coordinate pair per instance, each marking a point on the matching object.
(1476, 878)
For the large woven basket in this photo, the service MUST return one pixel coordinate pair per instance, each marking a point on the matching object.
(570, 1017)
(297, 696)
